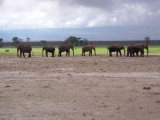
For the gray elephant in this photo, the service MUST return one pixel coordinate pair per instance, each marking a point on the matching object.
(116, 48)
(71, 46)
(64, 48)
(88, 48)
(24, 49)
(48, 49)
(136, 48)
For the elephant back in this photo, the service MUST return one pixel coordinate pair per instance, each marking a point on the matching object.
(87, 48)
(49, 48)
(63, 48)
(24, 48)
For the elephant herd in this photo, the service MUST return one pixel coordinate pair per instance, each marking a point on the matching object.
(131, 50)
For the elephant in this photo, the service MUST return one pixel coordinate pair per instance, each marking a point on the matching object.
(66, 47)
(117, 48)
(145, 46)
(24, 49)
(71, 46)
(131, 49)
(48, 49)
(138, 48)
(89, 48)
(63, 48)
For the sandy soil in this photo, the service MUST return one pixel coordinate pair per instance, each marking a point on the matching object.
(80, 88)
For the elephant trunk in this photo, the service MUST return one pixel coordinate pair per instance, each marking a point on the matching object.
(17, 52)
(42, 52)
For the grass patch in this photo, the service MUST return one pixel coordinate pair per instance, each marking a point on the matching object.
(78, 50)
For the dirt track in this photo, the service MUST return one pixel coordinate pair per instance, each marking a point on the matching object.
(80, 88)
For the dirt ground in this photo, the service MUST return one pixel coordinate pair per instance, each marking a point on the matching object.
(80, 88)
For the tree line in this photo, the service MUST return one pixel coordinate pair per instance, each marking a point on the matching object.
(76, 41)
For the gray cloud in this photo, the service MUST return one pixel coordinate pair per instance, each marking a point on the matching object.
(77, 13)
(1, 1)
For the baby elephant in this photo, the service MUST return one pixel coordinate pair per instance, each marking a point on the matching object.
(89, 48)
(48, 49)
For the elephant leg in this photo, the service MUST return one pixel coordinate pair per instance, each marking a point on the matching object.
(120, 53)
(52, 54)
(84, 53)
(137, 54)
(46, 54)
(66, 53)
(131, 54)
(110, 53)
(29, 54)
(20, 54)
(128, 53)
(116, 53)
(23, 55)
(142, 53)
(91, 53)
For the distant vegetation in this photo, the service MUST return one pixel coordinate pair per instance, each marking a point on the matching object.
(16, 41)
(1, 42)
(77, 41)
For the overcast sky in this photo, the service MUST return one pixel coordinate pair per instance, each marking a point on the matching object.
(19, 14)
(106, 19)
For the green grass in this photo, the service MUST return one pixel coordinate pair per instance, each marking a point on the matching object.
(78, 50)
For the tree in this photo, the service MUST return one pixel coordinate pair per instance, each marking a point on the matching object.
(43, 42)
(73, 40)
(85, 41)
(16, 40)
(91, 43)
(1, 42)
(28, 39)
(76, 41)
(147, 40)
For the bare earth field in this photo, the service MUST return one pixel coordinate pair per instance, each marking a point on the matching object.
(80, 88)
